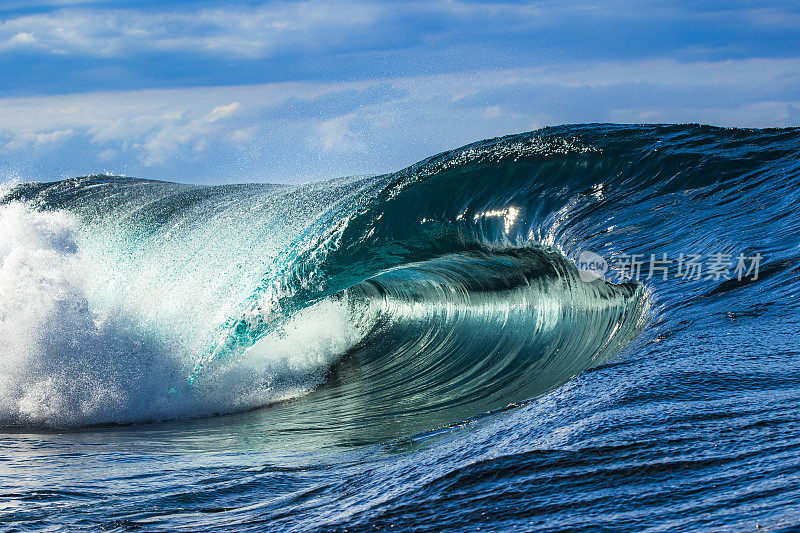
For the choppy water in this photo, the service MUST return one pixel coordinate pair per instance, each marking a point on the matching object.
(415, 350)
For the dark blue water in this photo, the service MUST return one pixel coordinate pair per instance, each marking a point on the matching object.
(420, 350)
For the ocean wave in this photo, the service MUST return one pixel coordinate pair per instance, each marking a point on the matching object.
(406, 301)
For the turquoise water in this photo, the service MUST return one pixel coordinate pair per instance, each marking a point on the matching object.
(416, 350)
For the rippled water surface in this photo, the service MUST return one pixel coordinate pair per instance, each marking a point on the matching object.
(415, 350)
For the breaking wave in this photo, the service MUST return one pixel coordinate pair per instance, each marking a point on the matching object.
(410, 300)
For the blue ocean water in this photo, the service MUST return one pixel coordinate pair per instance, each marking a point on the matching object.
(413, 351)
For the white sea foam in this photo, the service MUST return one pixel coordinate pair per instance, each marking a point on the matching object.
(288, 362)
(65, 362)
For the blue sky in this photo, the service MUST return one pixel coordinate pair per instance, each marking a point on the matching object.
(220, 92)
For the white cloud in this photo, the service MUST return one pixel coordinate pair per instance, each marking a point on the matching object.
(492, 112)
(337, 135)
(243, 32)
(302, 130)
(38, 139)
(155, 124)
(222, 111)
(259, 31)
(106, 155)
(22, 38)
(322, 26)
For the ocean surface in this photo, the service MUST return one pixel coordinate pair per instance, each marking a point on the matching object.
(583, 327)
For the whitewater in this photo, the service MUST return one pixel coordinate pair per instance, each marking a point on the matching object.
(420, 348)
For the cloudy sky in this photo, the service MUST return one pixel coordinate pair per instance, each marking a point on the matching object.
(220, 92)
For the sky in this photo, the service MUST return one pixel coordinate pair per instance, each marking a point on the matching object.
(291, 92)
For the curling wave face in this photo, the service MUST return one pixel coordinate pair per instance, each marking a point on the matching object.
(465, 334)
